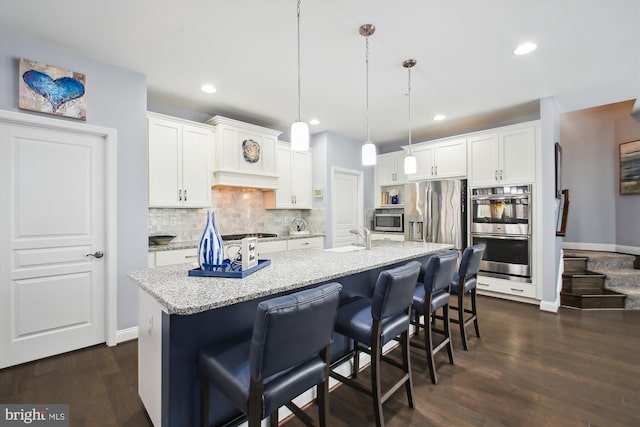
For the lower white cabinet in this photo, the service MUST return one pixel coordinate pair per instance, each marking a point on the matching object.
(272, 246)
(506, 287)
(177, 256)
(387, 236)
(305, 243)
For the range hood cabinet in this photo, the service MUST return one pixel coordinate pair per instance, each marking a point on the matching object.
(243, 155)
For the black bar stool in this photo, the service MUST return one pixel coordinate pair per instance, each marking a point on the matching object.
(374, 322)
(465, 282)
(287, 354)
(432, 294)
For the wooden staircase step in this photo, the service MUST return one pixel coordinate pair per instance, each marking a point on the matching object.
(583, 282)
(607, 299)
(575, 264)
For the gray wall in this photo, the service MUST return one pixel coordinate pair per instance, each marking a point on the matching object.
(116, 98)
(598, 214)
(333, 150)
(627, 206)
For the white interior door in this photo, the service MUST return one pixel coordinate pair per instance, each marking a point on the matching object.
(52, 290)
(348, 205)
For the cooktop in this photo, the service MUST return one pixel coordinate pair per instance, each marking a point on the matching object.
(242, 236)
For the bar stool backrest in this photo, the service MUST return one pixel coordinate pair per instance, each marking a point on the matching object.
(470, 263)
(439, 271)
(393, 291)
(292, 329)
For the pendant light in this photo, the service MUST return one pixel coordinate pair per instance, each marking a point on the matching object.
(368, 148)
(299, 129)
(410, 164)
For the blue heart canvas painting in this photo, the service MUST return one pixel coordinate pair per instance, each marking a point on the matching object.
(53, 90)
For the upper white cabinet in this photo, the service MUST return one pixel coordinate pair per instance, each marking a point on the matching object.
(390, 168)
(503, 156)
(295, 182)
(439, 160)
(244, 155)
(179, 170)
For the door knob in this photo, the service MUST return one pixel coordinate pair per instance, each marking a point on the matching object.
(97, 254)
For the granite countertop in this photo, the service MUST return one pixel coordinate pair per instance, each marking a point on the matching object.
(194, 244)
(182, 294)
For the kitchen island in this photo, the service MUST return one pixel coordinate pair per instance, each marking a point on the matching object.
(181, 314)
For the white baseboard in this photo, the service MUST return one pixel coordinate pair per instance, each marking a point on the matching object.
(550, 306)
(126, 334)
(632, 250)
(604, 247)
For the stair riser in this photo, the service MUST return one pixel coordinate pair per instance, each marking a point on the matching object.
(583, 284)
(592, 301)
(575, 265)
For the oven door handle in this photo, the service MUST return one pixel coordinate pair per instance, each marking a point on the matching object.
(501, 236)
(505, 197)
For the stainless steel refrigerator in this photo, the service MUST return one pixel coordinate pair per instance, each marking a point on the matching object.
(436, 212)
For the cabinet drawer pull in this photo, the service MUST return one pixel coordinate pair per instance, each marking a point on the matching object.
(483, 284)
(306, 243)
(190, 256)
(517, 290)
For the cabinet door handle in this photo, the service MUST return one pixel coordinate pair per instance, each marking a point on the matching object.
(495, 175)
(185, 195)
(431, 170)
(180, 195)
(436, 170)
(500, 174)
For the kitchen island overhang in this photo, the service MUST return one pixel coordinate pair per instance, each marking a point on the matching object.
(181, 314)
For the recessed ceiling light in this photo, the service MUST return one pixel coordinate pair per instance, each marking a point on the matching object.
(314, 122)
(525, 48)
(208, 88)
(439, 117)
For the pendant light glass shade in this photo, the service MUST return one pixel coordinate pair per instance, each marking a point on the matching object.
(299, 129)
(300, 136)
(410, 163)
(368, 148)
(369, 154)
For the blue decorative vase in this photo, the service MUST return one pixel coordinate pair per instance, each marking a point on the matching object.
(394, 200)
(210, 249)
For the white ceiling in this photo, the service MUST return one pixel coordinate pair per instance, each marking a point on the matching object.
(588, 55)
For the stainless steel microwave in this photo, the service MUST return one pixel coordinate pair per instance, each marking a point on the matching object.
(388, 222)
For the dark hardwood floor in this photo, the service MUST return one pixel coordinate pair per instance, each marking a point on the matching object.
(530, 368)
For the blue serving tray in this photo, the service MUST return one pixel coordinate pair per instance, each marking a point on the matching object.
(228, 270)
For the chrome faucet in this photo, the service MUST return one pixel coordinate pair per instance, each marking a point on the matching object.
(366, 236)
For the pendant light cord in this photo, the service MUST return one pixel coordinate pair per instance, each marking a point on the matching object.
(409, 110)
(299, 102)
(367, 82)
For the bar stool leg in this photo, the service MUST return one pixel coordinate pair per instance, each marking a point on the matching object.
(273, 419)
(356, 359)
(322, 391)
(447, 332)
(204, 401)
(376, 386)
(406, 364)
(463, 330)
(428, 342)
(475, 311)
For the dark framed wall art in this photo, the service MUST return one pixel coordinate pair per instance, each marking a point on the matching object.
(630, 167)
(558, 171)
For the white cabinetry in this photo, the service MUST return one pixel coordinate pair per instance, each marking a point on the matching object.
(388, 236)
(171, 257)
(294, 184)
(390, 168)
(305, 243)
(503, 156)
(179, 170)
(439, 160)
(244, 155)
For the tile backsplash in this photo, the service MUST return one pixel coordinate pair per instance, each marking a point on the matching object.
(237, 211)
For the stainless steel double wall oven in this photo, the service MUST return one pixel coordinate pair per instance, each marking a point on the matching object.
(501, 219)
